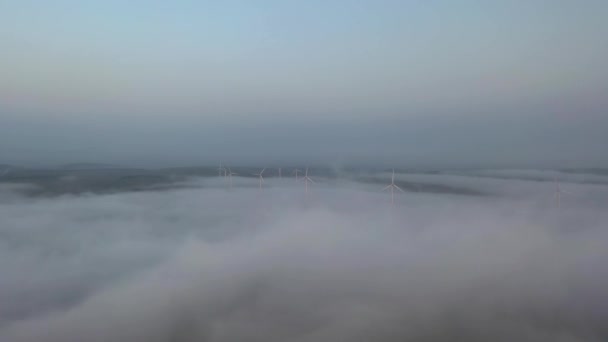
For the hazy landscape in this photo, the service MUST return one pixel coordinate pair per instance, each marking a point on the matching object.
(176, 255)
(303, 171)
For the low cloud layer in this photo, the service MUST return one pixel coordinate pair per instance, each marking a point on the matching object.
(208, 264)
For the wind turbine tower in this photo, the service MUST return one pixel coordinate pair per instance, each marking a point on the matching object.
(230, 174)
(220, 170)
(306, 180)
(296, 172)
(392, 187)
(261, 177)
(558, 193)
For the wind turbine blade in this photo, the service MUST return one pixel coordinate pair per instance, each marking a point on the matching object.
(398, 188)
(387, 187)
(262, 170)
(310, 179)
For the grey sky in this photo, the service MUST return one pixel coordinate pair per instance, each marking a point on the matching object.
(400, 82)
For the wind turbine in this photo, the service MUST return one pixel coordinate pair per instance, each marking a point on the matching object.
(393, 186)
(220, 169)
(306, 180)
(261, 177)
(230, 174)
(296, 172)
(558, 193)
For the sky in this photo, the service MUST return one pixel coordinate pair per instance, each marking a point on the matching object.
(423, 83)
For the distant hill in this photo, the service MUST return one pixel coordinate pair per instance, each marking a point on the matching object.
(88, 166)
